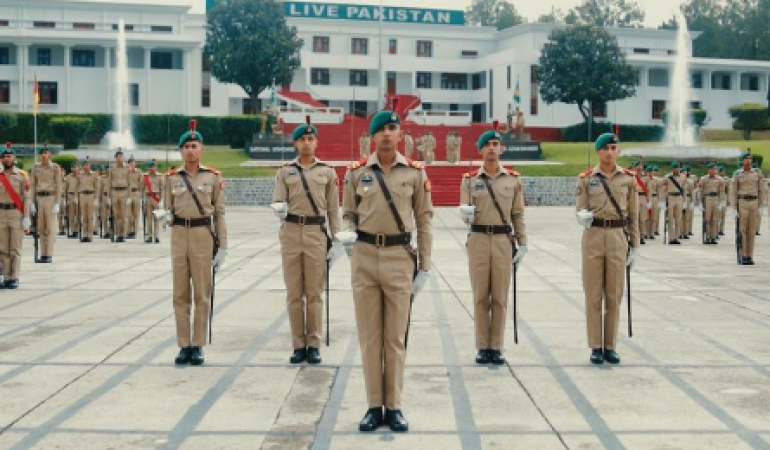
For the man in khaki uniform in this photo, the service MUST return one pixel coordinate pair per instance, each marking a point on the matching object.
(429, 147)
(63, 204)
(305, 198)
(198, 226)
(495, 213)
(747, 196)
(647, 229)
(644, 196)
(450, 147)
(689, 202)
(71, 189)
(384, 263)
(104, 206)
(712, 201)
(46, 189)
(728, 188)
(119, 182)
(408, 144)
(152, 187)
(672, 191)
(520, 125)
(135, 177)
(610, 244)
(14, 217)
(88, 185)
(364, 145)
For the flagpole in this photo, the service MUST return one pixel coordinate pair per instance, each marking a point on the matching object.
(35, 102)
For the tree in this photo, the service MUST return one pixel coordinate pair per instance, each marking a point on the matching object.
(555, 16)
(607, 13)
(498, 13)
(250, 45)
(70, 129)
(584, 65)
(749, 117)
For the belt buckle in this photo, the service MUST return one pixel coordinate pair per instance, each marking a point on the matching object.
(490, 229)
(379, 240)
(302, 220)
(607, 224)
(187, 222)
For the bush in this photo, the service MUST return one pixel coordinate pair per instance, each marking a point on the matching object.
(748, 117)
(698, 117)
(65, 161)
(7, 122)
(239, 129)
(70, 129)
(629, 133)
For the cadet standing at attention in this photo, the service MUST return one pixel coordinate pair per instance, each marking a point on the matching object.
(88, 187)
(386, 197)
(712, 201)
(119, 183)
(46, 189)
(492, 203)
(728, 189)
(14, 217)
(607, 205)
(196, 209)
(135, 177)
(152, 192)
(746, 196)
(71, 189)
(673, 193)
(305, 198)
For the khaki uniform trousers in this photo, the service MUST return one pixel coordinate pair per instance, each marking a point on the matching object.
(642, 214)
(303, 249)
(150, 221)
(11, 236)
(711, 216)
(687, 217)
(87, 214)
(490, 264)
(382, 287)
(191, 254)
(747, 210)
(722, 216)
(655, 222)
(675, 225)
(63, 213)
(120, 212)
(604, 273)
(104, 216)
(430, 155)
(72, 212)
(45, 223)
(133, 212)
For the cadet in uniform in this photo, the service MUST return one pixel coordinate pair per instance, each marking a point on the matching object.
(429, 147)
(119, 182)
(105, 208)
(135, 177)
(496, 221)
(727, 187)
(63, 204)
(14, 217)
(712, 201)
(672, 190)
(88, 185)
(152, 193)
(306, 197)
(746, 195)
(689, 202)
(610, 228)
(46, 189)
(648, 229)
(408, 144)
(197, 214)
(384, 262)
(644, 196)
(71, 189)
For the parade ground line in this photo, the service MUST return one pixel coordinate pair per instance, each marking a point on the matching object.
(87, 347)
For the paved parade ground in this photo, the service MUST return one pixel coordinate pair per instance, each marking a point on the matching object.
(87, 347)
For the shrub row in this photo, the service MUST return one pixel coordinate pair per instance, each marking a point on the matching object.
(629, 133)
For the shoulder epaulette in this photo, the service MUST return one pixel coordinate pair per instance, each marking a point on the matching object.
(171, 172)
(415, 164)
(472, 173)
(513, 172)
(584, 173)
(357, 164)
(629, 172)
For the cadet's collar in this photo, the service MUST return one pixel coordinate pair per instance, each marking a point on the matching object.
(201, 168)
(374, 160)
(598, 169)
(500, 171)
(296, 162)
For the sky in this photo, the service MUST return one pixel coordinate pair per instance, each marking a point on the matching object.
(656, 11)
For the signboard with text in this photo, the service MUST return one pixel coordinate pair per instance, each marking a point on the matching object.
(399, 14)
(520, 150)
(271, 149)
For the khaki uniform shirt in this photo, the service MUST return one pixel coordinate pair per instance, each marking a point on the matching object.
(156, 185)
(71, 186)
(46, 178)
(365, 207)
(135, 182)
(668, 187)
(508, 192)
(592, 196)
(88, 182)
(710, 186)
(652, 188)
(17, 178)
(118, 176)
(747, 183)
(323, 186)
(207, 184)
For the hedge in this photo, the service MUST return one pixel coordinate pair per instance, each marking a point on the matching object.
(630, 133)
(70, 130)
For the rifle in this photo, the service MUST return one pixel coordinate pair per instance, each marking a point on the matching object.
(665, 226)
(738, 236)
(628, 289)
(112, 222)
(515, 322)
(36, 231)
(704, 225)
(79, 215)
(144, 218)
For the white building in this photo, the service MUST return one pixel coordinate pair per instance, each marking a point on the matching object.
(350, 59)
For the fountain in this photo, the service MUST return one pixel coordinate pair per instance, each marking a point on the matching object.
(680, 140)
(121, 136)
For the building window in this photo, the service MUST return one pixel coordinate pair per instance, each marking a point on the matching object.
(320, 44)
(534, 80)
(509, 77)
(126, 27)
(319, 77)
(599, 109)
(454, 81)
(161, 60)
(393, 46)
(424, 80)
(44, 57)
(161, 29)
(468, 54)
(657, 78)
(49, 92)
(695, 105)
(83, 26)
(5, 92)
(5, 56)
(359, 46)
(749, 82)
(83, 58)
(657, 109)
(696, 80)
(4, 23)
(134, 93)
(425, 49)
(479, 81)
(43, 24)
(721, 81)
(642, 51)
(637, 77)
(359, 78)
(206, 97)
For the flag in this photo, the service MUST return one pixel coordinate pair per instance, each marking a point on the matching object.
(35, 97)
(517, 92)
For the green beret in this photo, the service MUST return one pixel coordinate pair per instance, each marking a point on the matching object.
(381, 119)
(634, 164)
(150, 163)
(303, 130)
(655, 168)
(604, 139)
(711, 165)
(686, 168)
(648, 168)
(721, 168)
(45, 149)
(8, 150)
(85, 161)
(119, 152)
(675, 164)
(191, 135)
(755, 166)
(486, 137)
(744, 155)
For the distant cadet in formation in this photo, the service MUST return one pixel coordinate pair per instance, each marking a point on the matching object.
(88, 187)
(728, 188)
(644, 196)
(713, 202)
(690, 187)
(14, 217)
(746, 196)
(135, 195)
(152, 189)
(119, 182)
(364, 145)
(46, 186)
(71, 189)
(648, 228)
(672, 189)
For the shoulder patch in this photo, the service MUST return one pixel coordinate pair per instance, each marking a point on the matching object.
(513, 172)
(171, 172)
(416, 165)
(357, 164)
(585, 173)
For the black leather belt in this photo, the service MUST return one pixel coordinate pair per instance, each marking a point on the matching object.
(712, 194)
(87, 192)
(44, 193)
(134, 190)
(675, 194)
(491, 229)
(306, 220)
(7, 206)
(641, 193)
(654, 195)
(608, 223)
(192, 223)
(747, 197)
(385, 240)
(119, 188)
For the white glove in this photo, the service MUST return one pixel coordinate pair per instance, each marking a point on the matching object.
(692, 206)
(760, 211)
(109, 201)
(96, 202)
(631, 259)
(281, 209)
(26, 223)
(419, 281)
(684, 205)
(75, 199)
(661, 205)
(347, 238)
(56, 208)
(721, 206)
(335, 252)
(161, 205)
(649, 205)
(736, 213)
(128, 201)
(585, 218)
(520, 252)
(219, 259)
(468, 213)
(162, 215)
(32, 208)
(703, 207)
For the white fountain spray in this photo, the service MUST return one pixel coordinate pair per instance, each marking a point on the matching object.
(121, 136)
(680, 130)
